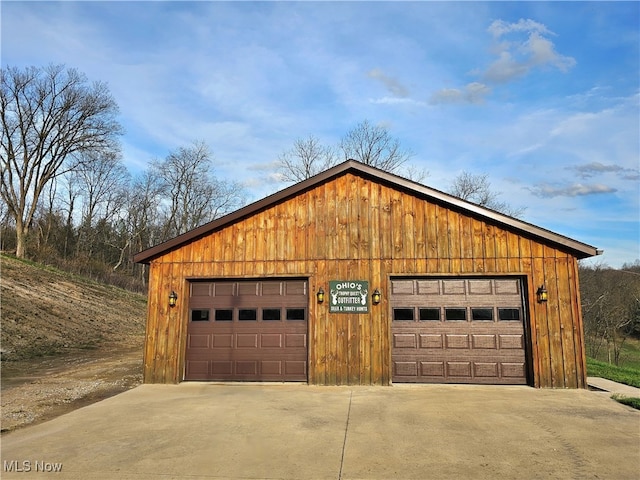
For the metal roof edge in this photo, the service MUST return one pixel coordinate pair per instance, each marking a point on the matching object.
(582, 249)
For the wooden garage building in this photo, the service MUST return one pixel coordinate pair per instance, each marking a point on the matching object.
(418, 286)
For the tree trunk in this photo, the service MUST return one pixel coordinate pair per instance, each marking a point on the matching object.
(21, 239)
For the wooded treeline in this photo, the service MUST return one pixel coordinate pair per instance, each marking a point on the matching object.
(611, 309)
(92, 219)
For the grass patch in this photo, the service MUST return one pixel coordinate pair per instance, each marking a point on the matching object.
(629, 356)
(629, 401)
(626, 375)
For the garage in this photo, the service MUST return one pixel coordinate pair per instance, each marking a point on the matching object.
(250, 330)
(356, 276)
(462, 330)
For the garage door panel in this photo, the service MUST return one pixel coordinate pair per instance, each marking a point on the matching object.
(428, 287)
(457, 341)
(272, 367)
(507, 287)
(480, 287)
(198, 341)
(431, 341)
(247, 367)
(296, 340)
(261, 333)
(223, 289)
(201, 290)
(296, 369)
(198, 368)
(485, 369)
(432, 369)
(219, 367)
(247, 340)
(402, 287)
(404, 340)
(512, 342)
(453, 287)
(248, 288)
(271, 340)
(513, 369)
(459, 369)
(222, 341)
(405, 369)
(482, 342)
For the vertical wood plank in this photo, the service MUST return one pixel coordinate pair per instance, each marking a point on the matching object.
(342, 187)
(466, 244)
(455, 241)
(374, 216)
(478, 246)
(578, 325)
(431, 220)
(321, 327)
(566, 320)
(553, 323)
(501, 252)
(397, 227)
(540, 312)
(443, 239)
(386, 240)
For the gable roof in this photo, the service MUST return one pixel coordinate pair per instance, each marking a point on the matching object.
(579, 249)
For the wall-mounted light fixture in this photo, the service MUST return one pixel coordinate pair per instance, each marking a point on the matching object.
(376, 296)
(320, 295)
(173, 298)
(542, 294)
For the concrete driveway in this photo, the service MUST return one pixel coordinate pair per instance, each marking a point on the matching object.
(200, 430)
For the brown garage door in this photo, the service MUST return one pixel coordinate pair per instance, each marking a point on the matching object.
(247, 330)
(458, 331)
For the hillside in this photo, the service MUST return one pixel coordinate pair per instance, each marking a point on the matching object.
(66, 341)
(46, 311)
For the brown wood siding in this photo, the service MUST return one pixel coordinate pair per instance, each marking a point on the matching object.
(353, 227)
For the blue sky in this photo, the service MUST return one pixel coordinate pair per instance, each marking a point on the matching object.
(542, 97)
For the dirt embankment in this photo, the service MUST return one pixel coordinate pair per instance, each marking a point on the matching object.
(66, 342)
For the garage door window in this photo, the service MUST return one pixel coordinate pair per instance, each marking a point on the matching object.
(403, 314)
(199, 315)
(430, 314)
(511, 314)
(248, 314)
(482, 314)
(296, 314)
(271, 314)
(455, 314)
(224, 315)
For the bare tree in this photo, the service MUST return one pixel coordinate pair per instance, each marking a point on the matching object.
(610, 307)
(193, 194)
(307, 158)
(49, 117)
(476, 188)
(102, 181)
(374, 146)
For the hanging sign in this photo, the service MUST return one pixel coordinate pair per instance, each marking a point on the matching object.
(348, 296)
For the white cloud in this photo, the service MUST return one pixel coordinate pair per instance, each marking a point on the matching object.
(588, 170)
(573, 190)
(473, 93)
(392, 84)
(498, 28)
(518, 56)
